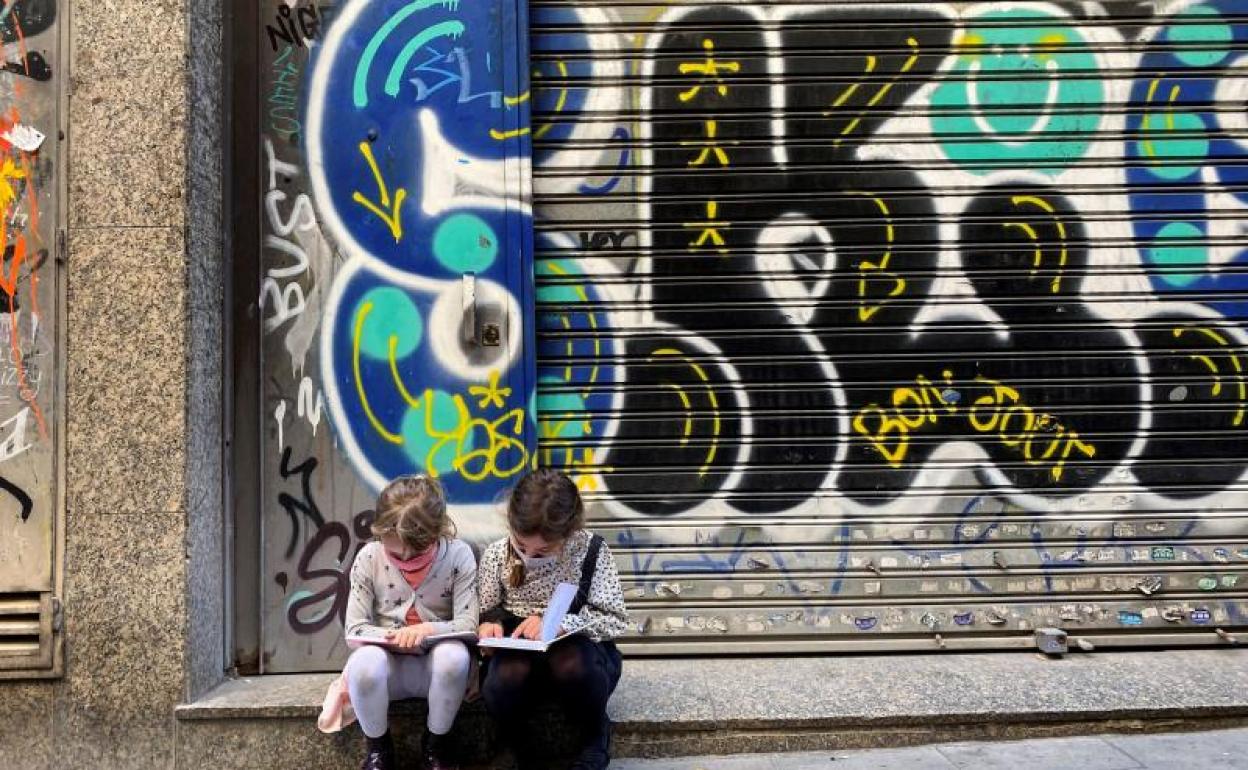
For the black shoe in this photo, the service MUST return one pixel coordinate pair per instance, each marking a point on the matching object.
(597, 752)
(380, 754)
(435, 752)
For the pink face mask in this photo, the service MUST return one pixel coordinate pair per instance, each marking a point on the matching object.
(416, 563)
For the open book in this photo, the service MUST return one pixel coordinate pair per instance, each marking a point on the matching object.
(377, 637)
(556, 611)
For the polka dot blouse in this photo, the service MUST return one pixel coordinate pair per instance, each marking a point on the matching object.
(603, 617)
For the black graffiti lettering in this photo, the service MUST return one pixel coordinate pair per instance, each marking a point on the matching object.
(817, 233)
(603, 240)
(17, 493)
(295, 26)
(335, 592)
(296, 507)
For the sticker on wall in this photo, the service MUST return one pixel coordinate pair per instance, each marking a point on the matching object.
(1162, 553)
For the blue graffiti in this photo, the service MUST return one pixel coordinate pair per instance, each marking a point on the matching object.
(1184, 154)
(408, 177)
(621, 135)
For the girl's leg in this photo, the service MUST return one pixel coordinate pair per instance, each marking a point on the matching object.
(368, 681)
(584, 674)
(441, 677)
(448, 680)
(508, 690)
(508, 684)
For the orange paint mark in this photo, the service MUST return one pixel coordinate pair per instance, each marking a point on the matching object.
(34, 294)
(31, 202)
(21, 42)
(8, 283)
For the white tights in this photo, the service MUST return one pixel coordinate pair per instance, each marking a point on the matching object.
(375, 677)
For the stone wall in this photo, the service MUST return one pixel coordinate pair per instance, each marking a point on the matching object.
(143, 442)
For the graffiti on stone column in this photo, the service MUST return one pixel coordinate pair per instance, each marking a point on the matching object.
(29, 293)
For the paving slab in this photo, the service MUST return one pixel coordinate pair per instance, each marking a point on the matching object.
(1211, 750)
(1050, 754)
(924, 758)
(728, 762)
(1221, 750)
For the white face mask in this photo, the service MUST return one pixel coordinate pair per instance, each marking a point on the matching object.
(533, 562)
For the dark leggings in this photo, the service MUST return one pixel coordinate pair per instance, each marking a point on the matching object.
(578, 673)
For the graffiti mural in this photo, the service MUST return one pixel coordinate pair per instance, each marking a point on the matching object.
(849, 320)
(30, 287)
(943, 311)
(395, 277)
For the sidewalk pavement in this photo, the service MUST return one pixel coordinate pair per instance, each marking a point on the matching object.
(1215, 750)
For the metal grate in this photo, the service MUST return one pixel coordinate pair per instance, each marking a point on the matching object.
(907, 326)
(26, 632)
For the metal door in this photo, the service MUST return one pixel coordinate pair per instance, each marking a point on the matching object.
(394, 294)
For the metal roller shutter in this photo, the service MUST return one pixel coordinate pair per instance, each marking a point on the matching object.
(895, 325)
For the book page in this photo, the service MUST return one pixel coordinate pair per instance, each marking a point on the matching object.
(508, 643)
(557, 610)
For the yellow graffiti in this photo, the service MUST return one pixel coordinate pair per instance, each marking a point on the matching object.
(684, 399)
(710, 395)
(9, 172)
(593, 324)
(709, 68)
(1149, 149)
(581, 462)
(867, 311)
(709, 229)
(391, 215)
(560, 101)
(853, 87)
(883, 90)
(1212, 366)
(709, 146)
(499, 435)
(365, 309)
(490, 394)
(511, 134)
(1056, 284)
(512, 101)
(1000, 413)
(491, 436)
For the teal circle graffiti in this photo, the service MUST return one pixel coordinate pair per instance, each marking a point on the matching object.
(562, 293)
(1161, 151)
(465, 243)
(384, 313)
(1179, 263)
(1008, 86)
(1213, 38)
(561, 415)
(431, 436)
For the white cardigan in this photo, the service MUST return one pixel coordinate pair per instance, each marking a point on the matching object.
(447, 598)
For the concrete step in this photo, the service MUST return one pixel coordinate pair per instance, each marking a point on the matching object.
(715, 706)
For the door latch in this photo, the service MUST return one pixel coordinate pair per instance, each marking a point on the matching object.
(488, 334)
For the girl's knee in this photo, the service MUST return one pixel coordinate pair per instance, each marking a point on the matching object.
(450, 659)
(568, 663)
(368, 668)
(508, 673)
